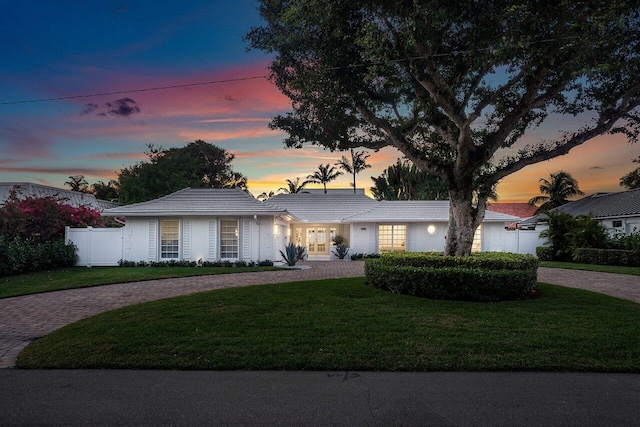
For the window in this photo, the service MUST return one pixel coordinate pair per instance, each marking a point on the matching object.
(229, 239)
(617, 223)
(392, 238)
(169, 239)
(476, 246)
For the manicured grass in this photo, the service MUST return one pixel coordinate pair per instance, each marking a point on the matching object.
(345, 325)
(591, 267)
(82, 277)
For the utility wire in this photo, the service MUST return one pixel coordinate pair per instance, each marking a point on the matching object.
(240, 79)
(148, 89)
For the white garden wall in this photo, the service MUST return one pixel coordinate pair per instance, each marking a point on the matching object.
(96, 246)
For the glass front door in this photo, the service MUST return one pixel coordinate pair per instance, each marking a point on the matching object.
(317, 243)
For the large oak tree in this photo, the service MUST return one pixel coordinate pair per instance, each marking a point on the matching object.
(454, 85)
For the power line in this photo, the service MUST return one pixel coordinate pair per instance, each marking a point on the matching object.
(240, 79)
(120, 92)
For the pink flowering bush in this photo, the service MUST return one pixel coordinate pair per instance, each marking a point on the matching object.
(32, 233)
(42, 219)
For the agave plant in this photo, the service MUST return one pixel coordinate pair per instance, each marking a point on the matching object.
(341, 251)
(302, 252)
(290, 256)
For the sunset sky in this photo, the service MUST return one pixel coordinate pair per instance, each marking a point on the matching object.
(64, 48)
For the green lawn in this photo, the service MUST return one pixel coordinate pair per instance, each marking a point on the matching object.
(345, 325)
(82, 277)
(591, 267)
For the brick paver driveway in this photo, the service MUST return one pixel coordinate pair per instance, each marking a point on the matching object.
(25, 318)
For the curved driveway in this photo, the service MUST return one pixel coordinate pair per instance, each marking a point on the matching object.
(25, 318)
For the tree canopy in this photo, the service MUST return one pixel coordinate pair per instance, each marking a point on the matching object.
(454, 85)
(197, 165)
(632, 179)
(404, 181)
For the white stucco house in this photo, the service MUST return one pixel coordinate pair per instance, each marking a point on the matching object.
(229, 224)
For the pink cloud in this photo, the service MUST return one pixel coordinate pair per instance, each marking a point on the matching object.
(60, 170)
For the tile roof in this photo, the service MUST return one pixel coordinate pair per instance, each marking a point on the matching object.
(340, 207)
(72, 198)
(417, 211)
(199, 201)
(601, 205)
(521, 210)
(315, 207)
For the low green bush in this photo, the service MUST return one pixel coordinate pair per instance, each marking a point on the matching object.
(199, 263)
(358, 257)
(487, 276)
(621, 257)
(24, 256)
(545, 253)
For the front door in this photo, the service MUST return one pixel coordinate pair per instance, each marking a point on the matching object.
(317, 242)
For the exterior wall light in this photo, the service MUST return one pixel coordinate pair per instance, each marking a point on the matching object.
(431, 229)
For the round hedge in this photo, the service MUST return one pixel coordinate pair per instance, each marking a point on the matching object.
(484, 276)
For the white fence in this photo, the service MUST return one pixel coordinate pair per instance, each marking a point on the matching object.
(96, 246)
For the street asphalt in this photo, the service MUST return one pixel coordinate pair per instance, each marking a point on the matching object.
(206, 398)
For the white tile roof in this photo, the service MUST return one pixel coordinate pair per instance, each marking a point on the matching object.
(417, 211)
(318, 207)
(72, 198)
(348, 208)
(199, 201)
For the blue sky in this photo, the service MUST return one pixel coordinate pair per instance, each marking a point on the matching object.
(59, 48)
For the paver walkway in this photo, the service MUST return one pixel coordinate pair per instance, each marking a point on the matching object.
(25, 318)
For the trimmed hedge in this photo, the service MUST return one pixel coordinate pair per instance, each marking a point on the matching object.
(607, 257)
(545, 253)
(487, 276)
(22, 256)
(199, 263)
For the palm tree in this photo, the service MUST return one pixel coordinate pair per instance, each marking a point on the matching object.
(357, 164)
(78, 183)
(556, 191)
(294, 187)
(266, 196)
(325, 174)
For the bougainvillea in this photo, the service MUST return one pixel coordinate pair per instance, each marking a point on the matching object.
(42, 219)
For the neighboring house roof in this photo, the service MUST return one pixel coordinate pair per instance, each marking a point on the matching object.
(72, 198)
(521, 210)
(601, 206)
(199, 201)
(317, 207)
(417, 211)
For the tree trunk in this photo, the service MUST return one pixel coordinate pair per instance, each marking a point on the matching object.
(464, 219)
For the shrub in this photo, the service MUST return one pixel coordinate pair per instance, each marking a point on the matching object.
(23, 256)
(619, 257)
(341, 251)
(357, 257)
(544, 253)
(481, 277)
(199, 263)
(42, 219)
(558, 234)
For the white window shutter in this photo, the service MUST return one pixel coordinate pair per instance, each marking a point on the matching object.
(153, 240)
(246, 239)
(186, 239)
(213, 240)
